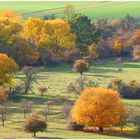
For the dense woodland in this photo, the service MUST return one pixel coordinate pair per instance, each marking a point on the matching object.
(76, 40)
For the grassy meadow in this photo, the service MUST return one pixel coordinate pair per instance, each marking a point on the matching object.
(58, 78)
(94, 10)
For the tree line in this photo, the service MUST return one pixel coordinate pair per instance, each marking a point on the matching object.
(47, 41)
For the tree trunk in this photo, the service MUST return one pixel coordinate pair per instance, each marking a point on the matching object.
(2, 122)
(101, 129)
(121, 129)
(34, 134)
(24, 114)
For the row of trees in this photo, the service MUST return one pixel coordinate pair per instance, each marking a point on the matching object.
(49, 41)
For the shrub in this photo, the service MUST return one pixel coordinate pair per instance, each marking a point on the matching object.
(128, 90)
(74, 126)
(98, 107)
(115, 83)
(81, 66)
(42, 90)
(34, 124)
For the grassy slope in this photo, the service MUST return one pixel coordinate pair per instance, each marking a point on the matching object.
(94, 10)
(57, 78)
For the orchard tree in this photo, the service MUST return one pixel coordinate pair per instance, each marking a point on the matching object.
(26, 106)
(34, 124)
(79, 85)
(8, 68)
(97, 107)
(30, 78)
(3, 112)
(47, 108)
(123, 117)
(81, 66)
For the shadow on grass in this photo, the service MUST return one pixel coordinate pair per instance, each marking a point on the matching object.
(125, 134)
(49, 138)
(98, 75)
(38, 99)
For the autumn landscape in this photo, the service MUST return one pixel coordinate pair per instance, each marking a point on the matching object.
(69, 70)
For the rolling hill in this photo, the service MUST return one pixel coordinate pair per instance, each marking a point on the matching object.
(94, 10)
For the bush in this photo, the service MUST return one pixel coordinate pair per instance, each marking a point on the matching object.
(128, 90)
(81, 66)
(74, 126)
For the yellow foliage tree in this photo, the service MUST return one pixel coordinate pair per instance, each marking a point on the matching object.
(8, 68)
(8, 14)
(92, 51)
(97, 107)
(59, 36)
(33, 31)
(9, 31)
(118, 46)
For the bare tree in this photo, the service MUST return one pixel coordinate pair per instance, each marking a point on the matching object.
(47, 108)
(68, 11)
(30, 78)
(4, 112)
(26, 106)
(79, 85)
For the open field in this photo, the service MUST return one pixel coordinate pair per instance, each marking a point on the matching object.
(93, 10)
(57, 78)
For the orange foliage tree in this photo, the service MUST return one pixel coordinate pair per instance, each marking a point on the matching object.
(118, 46)
(8, 68)
(10, 15)
(97, 107)
(3, 95)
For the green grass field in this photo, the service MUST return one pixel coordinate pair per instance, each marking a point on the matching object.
(94, 10)
(57, 78)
